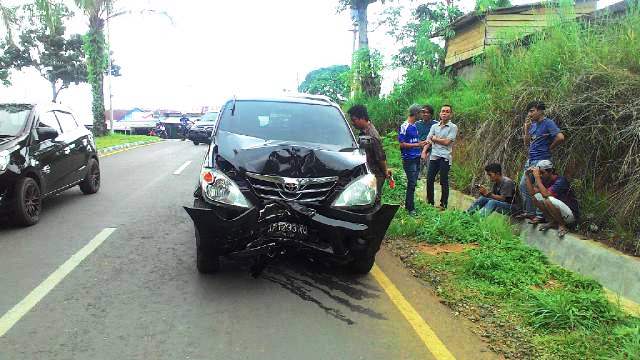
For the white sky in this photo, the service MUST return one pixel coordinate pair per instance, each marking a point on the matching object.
(214, 49)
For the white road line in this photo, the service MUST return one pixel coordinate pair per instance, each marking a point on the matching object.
(181, 168)
(23, 307)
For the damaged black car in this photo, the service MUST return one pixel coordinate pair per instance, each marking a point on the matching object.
(286, 177)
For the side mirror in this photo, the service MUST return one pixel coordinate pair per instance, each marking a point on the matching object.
(46, 133)
(365, 141)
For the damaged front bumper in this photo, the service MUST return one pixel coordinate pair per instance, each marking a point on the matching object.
(337, 234)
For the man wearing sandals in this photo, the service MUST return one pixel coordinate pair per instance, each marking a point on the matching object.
(552, 194)
(541, 136)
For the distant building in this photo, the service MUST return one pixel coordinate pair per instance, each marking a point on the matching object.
(476, 31)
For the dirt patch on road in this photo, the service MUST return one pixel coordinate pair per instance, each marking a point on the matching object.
(445, 248)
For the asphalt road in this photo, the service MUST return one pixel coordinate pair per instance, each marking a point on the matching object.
(139, 296)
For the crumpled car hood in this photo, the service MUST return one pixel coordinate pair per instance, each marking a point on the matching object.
(288, 159)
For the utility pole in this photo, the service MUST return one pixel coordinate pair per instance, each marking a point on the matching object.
(355, 37)
(110, 72)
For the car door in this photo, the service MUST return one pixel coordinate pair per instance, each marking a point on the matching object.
(74, 148)
(48, 155)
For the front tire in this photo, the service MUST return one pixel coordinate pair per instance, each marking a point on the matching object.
(91, 182)
(196, 143)
(28, 202)
(362, 265)
(207, 260)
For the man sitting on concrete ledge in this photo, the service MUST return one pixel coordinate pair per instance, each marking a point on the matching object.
(499, 198)
(553, 195)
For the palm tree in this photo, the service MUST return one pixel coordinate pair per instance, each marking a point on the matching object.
(99, 12)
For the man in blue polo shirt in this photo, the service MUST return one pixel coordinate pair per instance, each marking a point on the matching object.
(541, 136)
(411, 148)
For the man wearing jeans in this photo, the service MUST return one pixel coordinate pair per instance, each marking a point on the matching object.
(501, 195)
(541, 135)
(411, 147)
(440, 140)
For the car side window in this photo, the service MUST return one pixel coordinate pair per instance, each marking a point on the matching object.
(49, 120)
(67, 122)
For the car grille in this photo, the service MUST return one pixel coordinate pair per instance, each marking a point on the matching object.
(298, 189)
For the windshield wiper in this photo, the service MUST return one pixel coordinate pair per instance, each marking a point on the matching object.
(5, 135)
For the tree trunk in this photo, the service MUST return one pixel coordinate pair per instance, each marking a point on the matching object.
(363, 23)
(54, 91)
(96, 65)
(368, 80)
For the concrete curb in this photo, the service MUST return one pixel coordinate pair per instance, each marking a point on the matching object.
(111, 149)
(617, 272)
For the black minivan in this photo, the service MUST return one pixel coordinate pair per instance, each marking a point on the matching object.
(44, 150)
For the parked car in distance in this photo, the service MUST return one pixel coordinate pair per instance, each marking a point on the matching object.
(200, 131)
(44, 150)
(286, 176)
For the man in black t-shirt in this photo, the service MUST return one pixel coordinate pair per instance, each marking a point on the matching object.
(376, 157)
(500, 197)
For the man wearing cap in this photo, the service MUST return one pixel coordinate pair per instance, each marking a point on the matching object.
(376, 157)
(411, 148)
(441, 139)
(552, 194)
(541, 136)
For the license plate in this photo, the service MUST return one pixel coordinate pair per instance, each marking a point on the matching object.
(288, 229)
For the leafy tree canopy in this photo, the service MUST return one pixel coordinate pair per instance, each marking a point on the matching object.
(332, 81)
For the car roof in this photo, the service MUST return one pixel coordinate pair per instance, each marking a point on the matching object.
(42, 106)
(299, 98)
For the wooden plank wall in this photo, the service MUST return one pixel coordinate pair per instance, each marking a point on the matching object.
(468, 42)
(508, 26)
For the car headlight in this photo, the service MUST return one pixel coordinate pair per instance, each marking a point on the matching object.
(217, 187)
(5, 158)
(360, 192)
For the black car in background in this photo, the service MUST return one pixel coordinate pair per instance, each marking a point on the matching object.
(201, 130)
(44, 150)
(286, 176)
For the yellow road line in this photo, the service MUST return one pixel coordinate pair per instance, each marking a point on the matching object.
(23, 307)
(424, 331)
(127, 149)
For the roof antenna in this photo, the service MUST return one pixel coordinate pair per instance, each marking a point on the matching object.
(233, 109)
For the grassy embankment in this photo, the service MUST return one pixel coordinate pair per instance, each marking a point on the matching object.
(121, 139)
(526, 307)
(589, 76)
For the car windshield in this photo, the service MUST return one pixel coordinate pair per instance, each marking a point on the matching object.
(13, 118)
(287, 121)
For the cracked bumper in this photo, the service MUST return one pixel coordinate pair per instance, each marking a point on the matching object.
(336, 233)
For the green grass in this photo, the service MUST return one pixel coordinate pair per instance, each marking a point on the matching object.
(120, 139)
(534, 309)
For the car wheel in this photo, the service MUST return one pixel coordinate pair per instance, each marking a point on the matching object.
(207, 260)
(195, 142)
(91, 182)
(362, 265)
(28, 202)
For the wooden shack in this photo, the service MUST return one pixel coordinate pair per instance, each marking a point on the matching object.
(474, 32)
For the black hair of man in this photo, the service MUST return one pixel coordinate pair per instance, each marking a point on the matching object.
(538, 105)
(358, 111)
(449, 106)
(428, 108)
(494, 168)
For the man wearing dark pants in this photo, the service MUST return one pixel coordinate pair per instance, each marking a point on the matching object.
(541, 136)
(424, 127)
(441, 139)
(410, 147)
(376, 158)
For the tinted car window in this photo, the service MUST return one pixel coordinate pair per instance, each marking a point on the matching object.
(285, 121)
(209, 117)
(13, 119)
(67, 122)
(49, 120)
